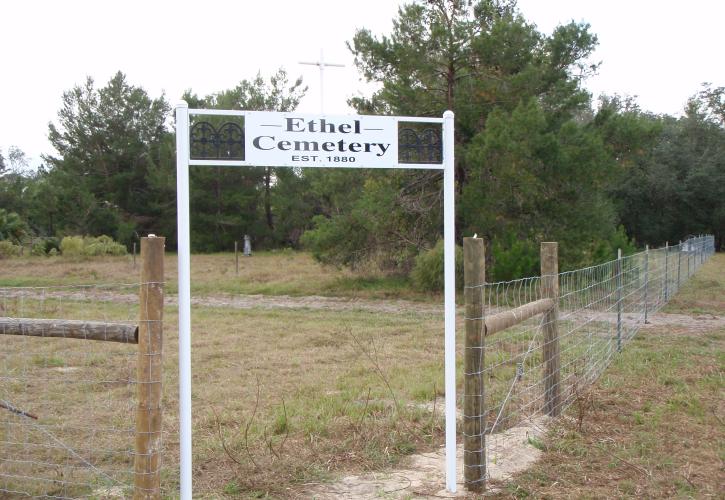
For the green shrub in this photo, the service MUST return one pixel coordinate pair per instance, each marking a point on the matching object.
(102, 245)
(513, 258)
(77, 246)
(427, 273)
(12, 226)
(8, 249)
(44, 246)
(72, 246)
(38, 249)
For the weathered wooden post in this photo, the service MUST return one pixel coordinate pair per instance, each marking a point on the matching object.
(618, 272)
(474, 422)
(646, 280)
(134, 255)
(149, 371)
(236, 257)
(550, 290)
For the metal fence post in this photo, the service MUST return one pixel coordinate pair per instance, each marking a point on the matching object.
(689, 253)
(618, 271)
(149, 371)
(679, 263)
(550, 289)
(646, 280)
(474, 424)
(667, 251)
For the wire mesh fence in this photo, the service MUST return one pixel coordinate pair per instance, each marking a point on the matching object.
(80, 390)
(67, 418)
(536, 357)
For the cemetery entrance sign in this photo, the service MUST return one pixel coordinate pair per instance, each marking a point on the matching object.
(282, 139)
(214, 137)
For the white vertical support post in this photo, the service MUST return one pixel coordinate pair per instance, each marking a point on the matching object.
(449, 269)
(184, 264)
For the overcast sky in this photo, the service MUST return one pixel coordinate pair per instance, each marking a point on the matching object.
(658, 50)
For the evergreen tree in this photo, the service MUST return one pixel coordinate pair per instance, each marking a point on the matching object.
(109, 143)
(528, 164)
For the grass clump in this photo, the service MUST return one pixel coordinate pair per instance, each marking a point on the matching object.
(8, 249)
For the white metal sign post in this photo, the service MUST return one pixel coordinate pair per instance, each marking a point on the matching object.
(306, 140)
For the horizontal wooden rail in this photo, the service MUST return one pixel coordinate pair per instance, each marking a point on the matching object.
(506, 319)
(61, 328)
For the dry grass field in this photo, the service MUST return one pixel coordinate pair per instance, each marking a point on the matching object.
(281, 397)
(286, 398)
(269, 273)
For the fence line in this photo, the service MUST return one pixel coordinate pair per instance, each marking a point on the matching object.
(553, 335)
(79, 418)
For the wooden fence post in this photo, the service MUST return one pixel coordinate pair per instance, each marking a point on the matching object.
(149, 371)
(236, 257)
(474, 421)
(550, 290)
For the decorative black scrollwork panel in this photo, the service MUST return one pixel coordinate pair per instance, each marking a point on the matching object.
(420, 143)
(223, 142)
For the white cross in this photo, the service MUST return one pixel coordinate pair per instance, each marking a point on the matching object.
(322, 65)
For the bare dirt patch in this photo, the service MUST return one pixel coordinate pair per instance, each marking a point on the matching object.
(696, 323)
(423, 475)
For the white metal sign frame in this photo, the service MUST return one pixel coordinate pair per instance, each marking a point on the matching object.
(183, 161)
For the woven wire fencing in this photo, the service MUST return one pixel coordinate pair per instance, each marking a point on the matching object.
(67, 417)
(536, 355)
(75, 381)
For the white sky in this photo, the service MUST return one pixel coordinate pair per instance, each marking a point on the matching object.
(659, 50)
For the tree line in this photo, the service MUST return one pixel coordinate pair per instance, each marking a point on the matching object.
(537, 158)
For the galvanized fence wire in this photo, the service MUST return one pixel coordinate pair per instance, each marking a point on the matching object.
(67, 405)
(600, 309)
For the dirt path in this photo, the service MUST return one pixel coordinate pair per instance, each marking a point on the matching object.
(317, 302)
(423, 475)
(392, 306)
